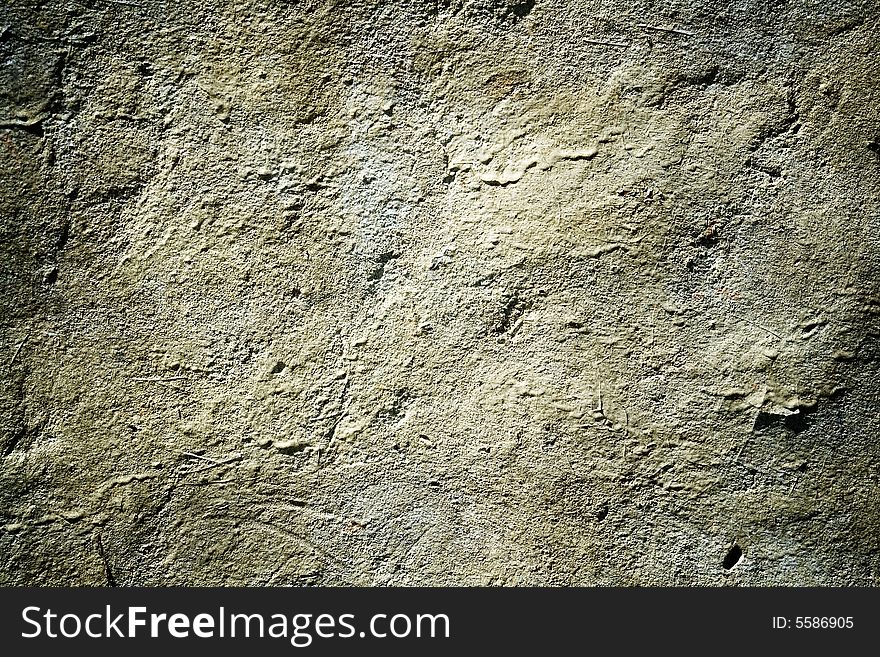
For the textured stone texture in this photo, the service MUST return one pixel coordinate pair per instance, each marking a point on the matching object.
(463, 292)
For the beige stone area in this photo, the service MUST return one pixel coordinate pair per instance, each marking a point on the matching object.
(434, 292)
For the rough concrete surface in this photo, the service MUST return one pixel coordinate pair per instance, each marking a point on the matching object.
(505, 292)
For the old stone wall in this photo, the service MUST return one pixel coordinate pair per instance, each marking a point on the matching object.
(509, 292)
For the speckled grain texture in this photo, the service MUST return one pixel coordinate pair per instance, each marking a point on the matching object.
(424, 292)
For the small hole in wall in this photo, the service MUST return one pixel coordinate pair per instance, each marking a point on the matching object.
(734, 556)
(523, 9)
